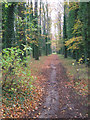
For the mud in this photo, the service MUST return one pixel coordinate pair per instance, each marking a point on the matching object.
(51, 105)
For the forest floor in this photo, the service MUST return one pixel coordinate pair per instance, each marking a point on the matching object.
(58, 97)
(59, 90)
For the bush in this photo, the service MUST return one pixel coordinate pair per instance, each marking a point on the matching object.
(17, 78)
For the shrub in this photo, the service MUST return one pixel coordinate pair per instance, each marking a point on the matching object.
(17, 78)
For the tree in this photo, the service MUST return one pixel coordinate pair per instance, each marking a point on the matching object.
(77, 31)
(46, 39)
(71, 20)
(40, 32)
(36, 50)
(22, 27)
(65, 33)
(83, 15)
(8, 24)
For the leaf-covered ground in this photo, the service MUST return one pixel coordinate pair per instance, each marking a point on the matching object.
(61, 98)
(54, 94)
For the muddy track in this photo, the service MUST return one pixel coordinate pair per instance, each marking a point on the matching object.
(51, 105)
(60, 101)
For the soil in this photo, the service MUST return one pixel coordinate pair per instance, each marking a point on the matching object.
(59, 100)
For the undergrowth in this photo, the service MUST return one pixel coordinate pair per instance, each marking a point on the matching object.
(77, 74)
(18, 90)
(20, 85)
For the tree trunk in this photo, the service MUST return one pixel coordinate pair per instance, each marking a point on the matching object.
(36, 52)
(64, 33)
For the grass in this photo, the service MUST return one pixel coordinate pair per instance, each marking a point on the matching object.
(78, 73)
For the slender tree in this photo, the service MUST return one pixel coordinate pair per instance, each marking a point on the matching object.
(36, 31)
(40, 32)
(65, 33)
(10, 34)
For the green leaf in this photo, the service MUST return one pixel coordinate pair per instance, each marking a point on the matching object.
(6, 5)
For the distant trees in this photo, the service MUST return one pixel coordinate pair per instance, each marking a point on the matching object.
(46, 27)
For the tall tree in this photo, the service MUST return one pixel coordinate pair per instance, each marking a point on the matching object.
(46, 39)
(9, 25)
(77, 29)
(36, 52)
(83, 15)
(40, 32)
(44, 28)
(65, 32)
(71, 20)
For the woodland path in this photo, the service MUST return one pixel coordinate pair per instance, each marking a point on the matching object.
(59, 100)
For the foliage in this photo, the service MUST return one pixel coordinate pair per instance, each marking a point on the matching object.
(16, 78)
(73, 5)
(21, 26)
(77, 27)
(77, 74)
(76, 31)
(74, 43)
(28, 49)
(21, 36)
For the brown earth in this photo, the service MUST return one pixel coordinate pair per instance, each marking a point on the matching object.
(59, 100)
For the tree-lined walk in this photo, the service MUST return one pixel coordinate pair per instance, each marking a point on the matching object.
(45, 59)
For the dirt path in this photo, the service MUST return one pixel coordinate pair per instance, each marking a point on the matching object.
(60, 100)
(51, 105)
